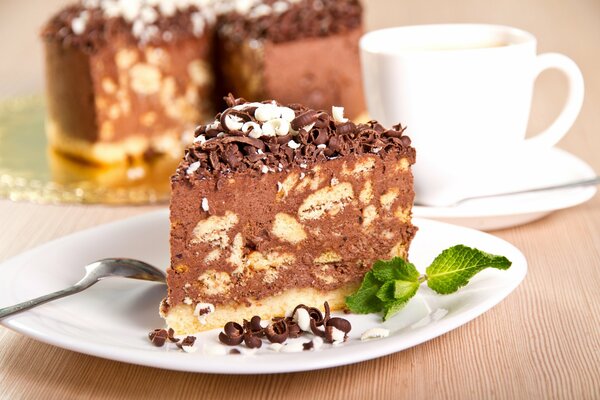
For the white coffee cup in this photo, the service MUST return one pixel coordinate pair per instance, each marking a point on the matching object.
(464, 93)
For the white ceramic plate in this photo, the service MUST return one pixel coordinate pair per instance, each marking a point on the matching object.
(522, 170)
(112, 319)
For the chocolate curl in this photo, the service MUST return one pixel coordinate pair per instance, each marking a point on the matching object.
(171, 336)
(251, 341)
(304, 119)
(277, 332)
(232, 335)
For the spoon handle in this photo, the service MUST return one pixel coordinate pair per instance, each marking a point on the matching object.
(26, 305)
(584, 182)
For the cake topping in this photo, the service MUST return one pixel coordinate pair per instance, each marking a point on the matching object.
(287, 20)
(92, 23)
(267, 137)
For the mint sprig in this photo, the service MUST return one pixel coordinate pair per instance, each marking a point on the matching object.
(389, 285)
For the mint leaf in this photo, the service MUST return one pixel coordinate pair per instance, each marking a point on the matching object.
(365, 300)
(395, 293)
(454, 267)
(403, 292)
(395, 269)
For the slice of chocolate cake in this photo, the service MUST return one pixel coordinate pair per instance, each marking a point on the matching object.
(273, 206)
(302, 51)
(128, 77)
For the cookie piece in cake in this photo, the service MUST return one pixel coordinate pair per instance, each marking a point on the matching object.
(278, 205)
(125, 78)
(303, 51)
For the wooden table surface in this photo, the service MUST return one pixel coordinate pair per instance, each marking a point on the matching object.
(543, 341)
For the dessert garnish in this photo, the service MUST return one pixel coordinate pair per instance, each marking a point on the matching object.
(389, 285)
(303, 319)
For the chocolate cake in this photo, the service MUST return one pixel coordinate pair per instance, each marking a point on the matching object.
(295, 51)
(124, 78)
(275, 205)
(128, 77)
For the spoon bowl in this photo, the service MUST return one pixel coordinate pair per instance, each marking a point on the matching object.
(95, 272)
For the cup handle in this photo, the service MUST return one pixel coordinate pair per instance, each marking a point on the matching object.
(567, 116)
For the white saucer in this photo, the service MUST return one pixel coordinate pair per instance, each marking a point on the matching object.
(112, 318)
(523, 170)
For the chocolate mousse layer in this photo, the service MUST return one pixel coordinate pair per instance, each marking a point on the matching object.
(273, 198)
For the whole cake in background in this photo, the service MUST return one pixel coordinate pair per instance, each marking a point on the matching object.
(277, 205)
(129, 78)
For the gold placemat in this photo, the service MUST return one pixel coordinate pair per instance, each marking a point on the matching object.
(31, 171)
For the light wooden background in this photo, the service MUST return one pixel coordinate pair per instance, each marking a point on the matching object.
(542, 342)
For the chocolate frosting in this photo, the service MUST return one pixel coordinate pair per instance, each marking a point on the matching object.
(295, 20)
(315, 136)
(98, 28)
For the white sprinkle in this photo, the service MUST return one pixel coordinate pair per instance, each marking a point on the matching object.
(148, 15)
(264, 169)
(307, 128)
(260, 11)
(275, 346)
(204, 204)
(280, 126)
(214, 125)
(187, 300)
(233, 122)
(292, 347)
(268, 129)
(374, 333)
(200, 139)
(78, 25)
(135, 173)
(322, 146)
(302, 318)
(193, 167)
(206, 309)
(293, 144)
(338, 114)
(259, 151)
(334, 181)
(375, 150)
(187, 285)
(337, 335)
(303, 165)
(287, 114)
(266, 112)
(302, 175)
(198, 24)
(256, 131)
(167, 7)
(280, 7)
(279, 187)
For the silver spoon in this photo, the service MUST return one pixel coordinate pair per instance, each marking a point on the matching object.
(584, 182)
(94, 272)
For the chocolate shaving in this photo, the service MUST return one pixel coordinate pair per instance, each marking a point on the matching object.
(171, 336)
(158, 337)
(308, 346)
(188, 341)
